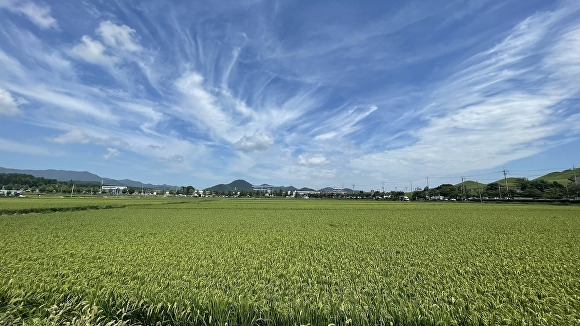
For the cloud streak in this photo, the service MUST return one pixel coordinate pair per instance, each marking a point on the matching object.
(501, 107)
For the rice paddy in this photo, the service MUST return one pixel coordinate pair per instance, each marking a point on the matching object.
(287, 262)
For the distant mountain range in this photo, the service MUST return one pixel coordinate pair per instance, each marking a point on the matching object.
(238, 185)
(563, 177)
(243, 185)
(84, 177)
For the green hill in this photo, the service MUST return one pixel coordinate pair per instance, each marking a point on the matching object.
(469, 184)
(562, 177)
(511, 182)
(237, 185)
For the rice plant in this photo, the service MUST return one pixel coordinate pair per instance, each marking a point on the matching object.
(291, 262)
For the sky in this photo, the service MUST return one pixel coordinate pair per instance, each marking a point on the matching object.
(370, 94)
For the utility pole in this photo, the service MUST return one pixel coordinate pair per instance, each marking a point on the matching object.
(383, 187)
(505, 172)
(428, 190)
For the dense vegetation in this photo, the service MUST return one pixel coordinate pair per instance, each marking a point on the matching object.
(540, 188)
(25, 183)
(289, 262)
(520, 188)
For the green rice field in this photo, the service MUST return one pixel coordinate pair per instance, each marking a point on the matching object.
(140, 261)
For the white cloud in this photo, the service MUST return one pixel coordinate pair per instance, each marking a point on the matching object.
(92, 51)
(256, 142)
(118, 37)
(73, 136)
(315, 159)
(39, 15)
(118, 43)
(111, 153)
(8, 106)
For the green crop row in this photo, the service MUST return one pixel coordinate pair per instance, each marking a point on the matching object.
(15, 206)
(292, 262)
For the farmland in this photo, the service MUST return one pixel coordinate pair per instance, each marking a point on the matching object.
(292, 262)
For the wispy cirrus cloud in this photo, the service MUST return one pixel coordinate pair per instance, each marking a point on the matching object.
(37, 14)
(502, 106)
(344, 123)
(325, 92)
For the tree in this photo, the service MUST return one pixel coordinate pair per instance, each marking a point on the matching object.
(574, 190)
(395, 195)
(419, 194)
(553, 193)
(447, 190)
(492, 189)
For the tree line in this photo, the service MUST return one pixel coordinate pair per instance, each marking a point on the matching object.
(30, 183)
(524, 188)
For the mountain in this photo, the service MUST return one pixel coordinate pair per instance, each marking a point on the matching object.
(237, 185)
(329, 190)
(60, 175)
(243, 185)
(83, 177)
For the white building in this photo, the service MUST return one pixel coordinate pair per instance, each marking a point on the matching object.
(116, 190)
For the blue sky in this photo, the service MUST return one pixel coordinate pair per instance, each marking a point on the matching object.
(303, 93)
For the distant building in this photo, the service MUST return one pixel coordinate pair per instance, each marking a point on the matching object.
(307, 192)
(338, 191)
(577, 180)
(11, 192)
(113, 189)
(263, 188)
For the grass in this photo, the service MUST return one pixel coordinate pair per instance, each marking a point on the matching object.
(291, 262)
(562, 177)
(469, 184)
